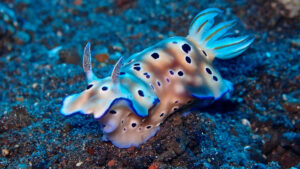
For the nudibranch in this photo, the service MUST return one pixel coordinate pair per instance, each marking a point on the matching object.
(147, 87)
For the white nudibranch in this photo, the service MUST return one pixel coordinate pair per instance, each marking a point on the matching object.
(141, 93)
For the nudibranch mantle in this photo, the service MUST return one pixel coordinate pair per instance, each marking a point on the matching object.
(147, 87)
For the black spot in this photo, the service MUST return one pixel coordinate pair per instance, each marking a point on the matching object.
(215, 78)
(89, 86)
(137, 68)
(148, 127)
(133, 124)
(180, 73)
(162, 114)
(208, 70)
(171, 72)
(176, 101)
(122, 73)
(189, 102)
(188, 59)
(168, 80)
(204, 52)
(158, 83)
(175, 109)
(104, 88)
(112, 112)
(155, 55)
(136, 64)
(147, 75)
(122, 121)
(124, 129)
(152, 87)
(186, 48)
(141, 93)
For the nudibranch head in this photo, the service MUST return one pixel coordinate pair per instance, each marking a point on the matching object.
(101, 94)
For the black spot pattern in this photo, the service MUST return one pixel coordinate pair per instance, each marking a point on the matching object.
(171, 72)
(148, 127)
(180, 73)
(133, 124)
(155, 55)
(152, 87)
(186, 48)
(122, 73)
(104, 88)
(89, 86)
(137, 68)
(203, 51)
(162, 114)
(188, 59)
(215, 78)
(147, 75)
(158, 83)
(112, 112)
(136, 64)
(168, 80)
(208, 70)
(141, 93)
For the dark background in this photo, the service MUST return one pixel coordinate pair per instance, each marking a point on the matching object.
(41, 44)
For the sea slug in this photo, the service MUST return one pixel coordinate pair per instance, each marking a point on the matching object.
(147, 87)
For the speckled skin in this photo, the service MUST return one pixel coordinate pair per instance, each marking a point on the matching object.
(172, 89)
(154, 83)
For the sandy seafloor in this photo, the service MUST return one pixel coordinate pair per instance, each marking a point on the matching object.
(41, 44)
